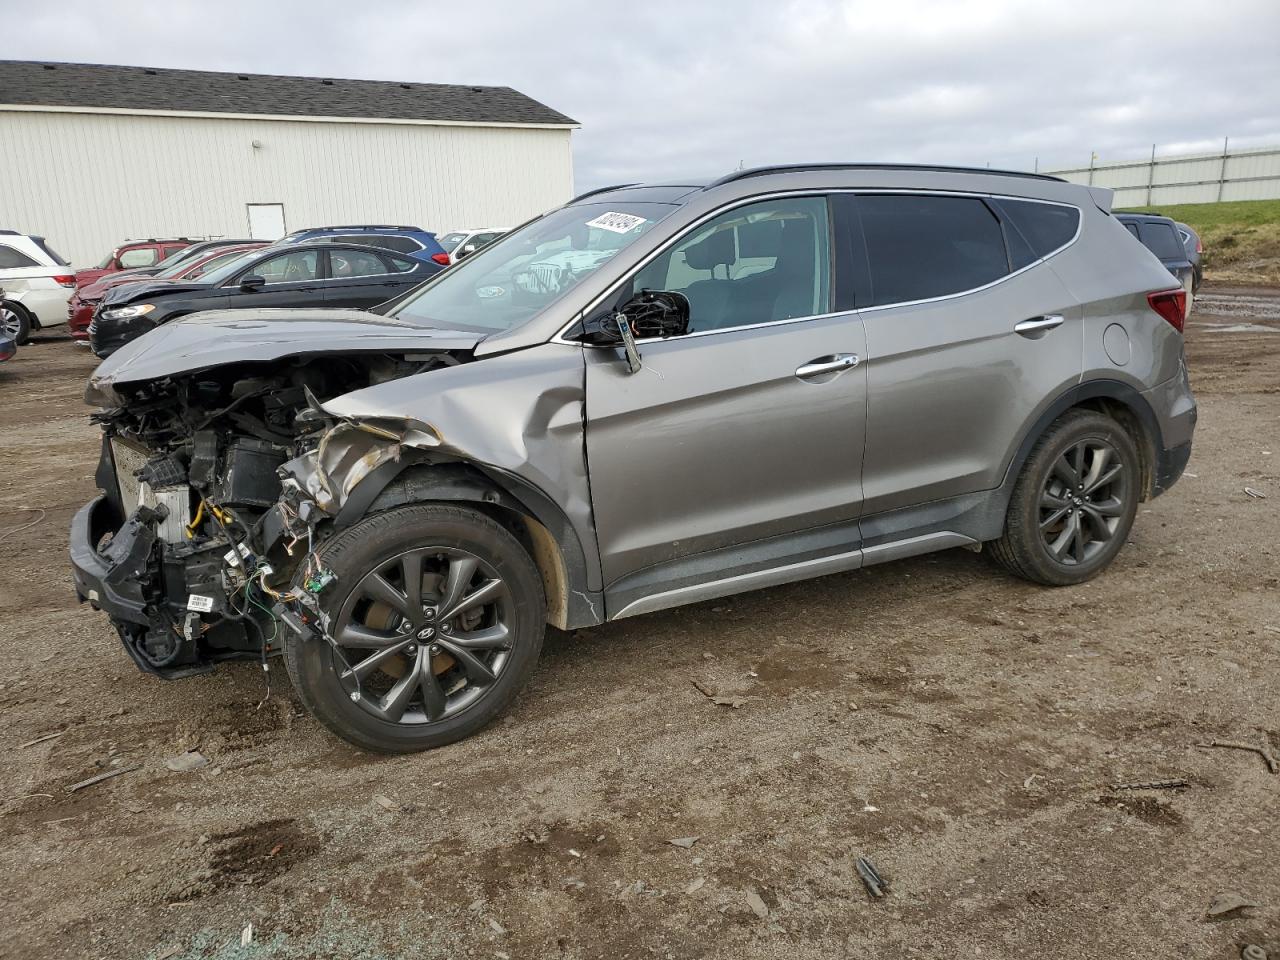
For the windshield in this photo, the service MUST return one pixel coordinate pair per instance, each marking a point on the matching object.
(451, 240)
(230, 269)
(512, 279)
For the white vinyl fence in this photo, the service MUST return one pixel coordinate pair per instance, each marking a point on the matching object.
(1203, 178)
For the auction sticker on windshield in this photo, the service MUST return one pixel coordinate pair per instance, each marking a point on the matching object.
(616, 222)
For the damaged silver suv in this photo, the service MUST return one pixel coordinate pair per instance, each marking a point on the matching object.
(652, 396)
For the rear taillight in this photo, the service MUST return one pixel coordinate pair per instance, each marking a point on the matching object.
(1170, 304)
(441, 258)
(1199, 244)
(65, 279)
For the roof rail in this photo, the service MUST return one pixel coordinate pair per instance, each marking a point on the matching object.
(923, 168)
(368, 226)
(592, 193)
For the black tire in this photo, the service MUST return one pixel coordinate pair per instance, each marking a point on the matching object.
(380, 543)
(1044, 507)
(21, 321)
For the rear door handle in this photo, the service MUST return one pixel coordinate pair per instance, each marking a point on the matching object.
(1038, 326)
(820, 365)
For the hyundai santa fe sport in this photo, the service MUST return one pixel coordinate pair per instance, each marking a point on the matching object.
(652, 396)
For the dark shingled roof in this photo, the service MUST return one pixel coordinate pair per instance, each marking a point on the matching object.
(146, 88)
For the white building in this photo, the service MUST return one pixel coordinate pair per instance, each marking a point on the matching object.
(93, 155)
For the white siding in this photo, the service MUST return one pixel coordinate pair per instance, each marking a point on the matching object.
(1207, 178)
(89, 181)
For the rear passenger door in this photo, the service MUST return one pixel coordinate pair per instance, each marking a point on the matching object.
(362, 278)
(968, 336)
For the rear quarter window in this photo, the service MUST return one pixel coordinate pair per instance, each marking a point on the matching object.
(1162, 240)
(11, 259)
(922, 247)
(1038, 229)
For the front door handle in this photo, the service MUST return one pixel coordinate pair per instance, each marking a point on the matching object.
(832, 364)
(1038, 326)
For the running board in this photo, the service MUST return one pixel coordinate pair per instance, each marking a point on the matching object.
(791, 572)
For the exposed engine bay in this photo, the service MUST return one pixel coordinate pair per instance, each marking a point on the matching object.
(217, 496)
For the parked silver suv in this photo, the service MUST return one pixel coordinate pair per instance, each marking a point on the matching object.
(652, 396)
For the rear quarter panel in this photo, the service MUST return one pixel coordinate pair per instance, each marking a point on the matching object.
(1110, 274)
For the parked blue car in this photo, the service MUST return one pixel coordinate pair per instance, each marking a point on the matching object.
(411, 241)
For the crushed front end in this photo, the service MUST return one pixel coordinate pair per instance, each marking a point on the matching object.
(194, 545)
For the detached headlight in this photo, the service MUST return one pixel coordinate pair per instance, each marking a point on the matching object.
(123, 313)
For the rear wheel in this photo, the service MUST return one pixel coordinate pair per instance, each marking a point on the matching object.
(436, 621)
(1074, 502)
(15, 321)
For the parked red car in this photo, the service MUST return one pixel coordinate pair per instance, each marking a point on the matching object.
(85, 300)
(130, 254)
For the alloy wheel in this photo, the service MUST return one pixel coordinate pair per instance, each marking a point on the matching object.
(10, 322)
(1083, 501)
(423, 636)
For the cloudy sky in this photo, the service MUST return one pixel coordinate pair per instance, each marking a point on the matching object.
(667, 89)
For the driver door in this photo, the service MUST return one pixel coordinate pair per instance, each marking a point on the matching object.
(737, 446)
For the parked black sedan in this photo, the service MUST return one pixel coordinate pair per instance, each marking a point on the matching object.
(302, 275)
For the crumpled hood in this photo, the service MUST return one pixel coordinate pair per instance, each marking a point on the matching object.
(148, 287)
(218, 337)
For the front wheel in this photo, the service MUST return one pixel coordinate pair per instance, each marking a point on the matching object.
(436, 619)
(1074, 502)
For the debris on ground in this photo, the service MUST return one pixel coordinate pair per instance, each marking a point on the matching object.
(695, 886)
(1272, 763)
(386, 803)
(496, 927)
(246, 935)
(871, 878)
(757, 905)
(685, 842)
(47, 736)
(1229, 902)
(102, 776)
(1256, 494)
(1152, 785)
(1251, 951)
(477, 906)
(186, 762)
(722, 700)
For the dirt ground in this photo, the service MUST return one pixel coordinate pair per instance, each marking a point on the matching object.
(960, 729)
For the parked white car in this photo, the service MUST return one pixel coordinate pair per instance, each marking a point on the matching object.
(35, 284)
(462, 243)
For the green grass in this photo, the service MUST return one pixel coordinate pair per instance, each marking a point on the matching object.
(1210, 216)
(1241, 238)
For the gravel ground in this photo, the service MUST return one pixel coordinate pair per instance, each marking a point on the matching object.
(959, 728)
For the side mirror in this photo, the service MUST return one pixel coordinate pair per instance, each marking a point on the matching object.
(252, 282)
(650, 313)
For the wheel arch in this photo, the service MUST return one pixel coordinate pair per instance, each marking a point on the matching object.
(534, 518)
(1118, 400)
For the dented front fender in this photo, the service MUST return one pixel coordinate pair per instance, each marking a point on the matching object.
(519, 415)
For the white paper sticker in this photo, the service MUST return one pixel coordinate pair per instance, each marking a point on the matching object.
(617, 222)
(199, 603)
(232, 559)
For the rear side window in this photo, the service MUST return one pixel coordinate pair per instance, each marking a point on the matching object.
(399, 265)
(1162, 240)
(382, 242)
(1037, 229)
(355, 263)
(921, 247)
(12, 259)
(1132, 228)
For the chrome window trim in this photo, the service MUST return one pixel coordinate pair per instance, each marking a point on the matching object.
(809, 192)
